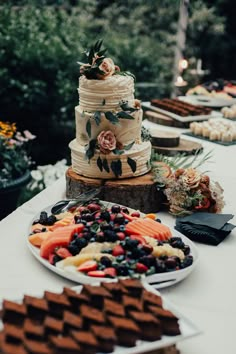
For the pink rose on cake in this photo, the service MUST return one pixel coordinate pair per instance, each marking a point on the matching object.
(106, 141)
(108, 68)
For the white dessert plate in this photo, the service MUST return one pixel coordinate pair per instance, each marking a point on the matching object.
(158, 280)
(187, 327)
(214, 114)
(208, 101)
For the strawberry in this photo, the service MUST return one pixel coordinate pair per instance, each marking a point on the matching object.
(96, 273)
(118, 250)
(121, 236)
(136, 214)
(88, 266)
(63, 252)
(141, 268)
(147, 248)
(51, 258)
(111, 272)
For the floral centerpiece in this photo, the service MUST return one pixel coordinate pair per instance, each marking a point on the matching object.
(187, 190)
(14, 153)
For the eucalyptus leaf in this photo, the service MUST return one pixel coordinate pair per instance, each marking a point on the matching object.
(95, 227)
(103, 102)
(105, 165)
(111, 117)
(124, 115)
(90, 149)
(116, 167)
(99, 163)
(98, 45)
(118, 152)
(97, 117)
(132, 163)
(129, 146)
(88, 128)
(125, 107)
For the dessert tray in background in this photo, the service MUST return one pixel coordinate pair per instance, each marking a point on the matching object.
(178, 117)
(116, 249)
(208, 101)
(125, 317)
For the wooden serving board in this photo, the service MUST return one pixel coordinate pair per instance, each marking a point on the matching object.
(165, 139)
(186, 147)
(138, 193)
(161, 119)
(168, 350)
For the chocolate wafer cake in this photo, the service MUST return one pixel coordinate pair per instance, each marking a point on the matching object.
(91, 323)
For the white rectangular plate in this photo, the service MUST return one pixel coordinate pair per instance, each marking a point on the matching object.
(214, 114)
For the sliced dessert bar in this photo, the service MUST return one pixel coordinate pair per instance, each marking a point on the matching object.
(57, 303)
(169, 321)
(111, 307)
(150, 327)
(96, 294)
(126, 330)
(86, 340)
(13, 312)
(64, 345)
(37, 308)
(71, 321)
(106, 338)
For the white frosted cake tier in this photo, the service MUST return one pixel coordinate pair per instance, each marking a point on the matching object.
(127, 131)
(139, 154)
(105, 95)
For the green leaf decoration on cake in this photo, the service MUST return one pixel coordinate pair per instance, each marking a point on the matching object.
(111, 117)
(97, 117)
(90, 149)
(116, 168)
(129, 146)
(103, 102)
(118, 152)
(88, 128)
(105, 165)
(132, 164)
(126, 107)
(124, 115)
(100, 164)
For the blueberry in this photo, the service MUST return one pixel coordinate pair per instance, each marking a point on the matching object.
(188, 261)
(75, 235)
(158, 220)
(105, 261)
(115, 209)
(186, 250)
(51, 220)
(148, 260)
(178, 244)
(131, 244)
(73, 248)
(125, 210)
(56, 259)
(122, 228)
(87, 235)
(43, 218)
(160, 266)
(105, 226)
(110, 236)
(122, 269)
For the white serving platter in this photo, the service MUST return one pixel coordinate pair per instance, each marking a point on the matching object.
(158, 280)
(208, 101)
(214, 114)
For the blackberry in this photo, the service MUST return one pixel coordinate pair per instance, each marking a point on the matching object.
(105, 215)
(73, 248)
(158, 220)
(43, 218)
(178, 244)
(81, 242)
(160, 266)
(110, 236)
(115, 209)
(122, 269)
(105, 226)
(188, 261)
(105, 261)
(56, 259)
(51, 220)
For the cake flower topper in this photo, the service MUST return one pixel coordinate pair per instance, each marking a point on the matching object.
(98, 67)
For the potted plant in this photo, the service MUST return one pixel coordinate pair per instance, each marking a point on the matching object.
(15, 165)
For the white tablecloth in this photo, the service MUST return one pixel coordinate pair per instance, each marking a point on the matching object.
(207, 296)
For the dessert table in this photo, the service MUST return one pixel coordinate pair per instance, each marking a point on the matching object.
(207, 296)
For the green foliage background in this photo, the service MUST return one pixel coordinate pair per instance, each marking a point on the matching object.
(41, 41)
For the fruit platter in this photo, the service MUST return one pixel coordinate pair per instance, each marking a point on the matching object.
(100, 241)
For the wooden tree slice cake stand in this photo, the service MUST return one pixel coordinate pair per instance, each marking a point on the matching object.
(139, 193)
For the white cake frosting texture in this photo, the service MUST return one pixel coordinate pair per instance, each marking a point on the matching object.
(108, 140)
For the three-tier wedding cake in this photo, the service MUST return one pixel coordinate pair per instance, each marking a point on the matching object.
(108, 141)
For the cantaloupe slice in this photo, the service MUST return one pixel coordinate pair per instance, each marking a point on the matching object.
(62, 222)
(61, 237)
(37, 238)
(38, 226)
(148, 227)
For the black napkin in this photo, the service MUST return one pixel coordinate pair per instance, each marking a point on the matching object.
(205, 227)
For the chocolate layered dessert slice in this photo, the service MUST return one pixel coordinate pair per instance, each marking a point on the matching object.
(111, 307)
(150, 326)
(96, 294)
(133, 286)
(86, 340)
(91, 316)
(64, 345)
(10, 348)
(169, 322)
(35, 347)
(75, 298)
(126, 330)
(106, 338)
(37, 308)
(71, 321)
(57, 303)
(13, 312)
(132, 304)
(33, 330)
(115, 289)
(150, 298)
(53, 326)
(13, 334)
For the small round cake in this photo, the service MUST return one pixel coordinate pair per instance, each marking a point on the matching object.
(108, 140)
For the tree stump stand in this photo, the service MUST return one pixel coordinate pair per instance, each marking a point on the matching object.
(138, 193)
